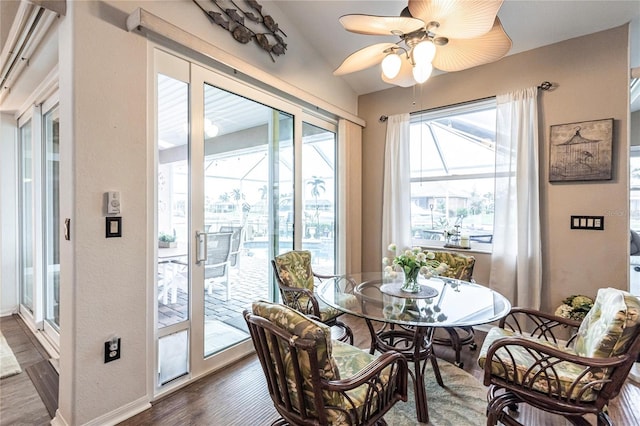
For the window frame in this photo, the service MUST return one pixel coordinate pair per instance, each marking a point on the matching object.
(440, 113)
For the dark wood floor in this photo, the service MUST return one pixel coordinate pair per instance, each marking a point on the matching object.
(20, 403)
(235, 395)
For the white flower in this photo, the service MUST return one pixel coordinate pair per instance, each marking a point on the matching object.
(425, 271)
(421, 257)
(390, 272)
(564, 311)
(431, 255)
(385, 261)
(409, 253)
(442, 268)
(392, 247)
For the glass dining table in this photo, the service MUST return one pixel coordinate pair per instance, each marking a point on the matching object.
(405, 322)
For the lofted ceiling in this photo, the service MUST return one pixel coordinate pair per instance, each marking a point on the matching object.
(529, 24)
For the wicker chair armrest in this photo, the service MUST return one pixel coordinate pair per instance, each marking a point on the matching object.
(301, 292)
(323, 276)
(385, 380)
(544, 323)
(373, 371)
(544, 367)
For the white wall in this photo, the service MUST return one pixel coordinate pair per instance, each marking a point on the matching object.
(8, 228)
(103, 110)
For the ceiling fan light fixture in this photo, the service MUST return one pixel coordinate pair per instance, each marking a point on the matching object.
(422, 72)
(424, 52)
(391, 65)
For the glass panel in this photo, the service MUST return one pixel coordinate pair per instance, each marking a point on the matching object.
(634, 165)
(172, 278)
(319, 196)
(173, 356)
(452, 173)
(26, 216)
(52, 216)
(243, 139)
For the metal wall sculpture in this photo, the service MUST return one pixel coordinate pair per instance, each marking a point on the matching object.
(239, 22)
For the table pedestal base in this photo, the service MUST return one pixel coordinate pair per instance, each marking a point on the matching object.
(415, 343)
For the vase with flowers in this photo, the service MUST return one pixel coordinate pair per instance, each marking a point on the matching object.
(412, 262)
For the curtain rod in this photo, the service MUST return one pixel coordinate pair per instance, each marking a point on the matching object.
(544, 86)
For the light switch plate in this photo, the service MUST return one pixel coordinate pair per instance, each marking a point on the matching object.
(587, 222)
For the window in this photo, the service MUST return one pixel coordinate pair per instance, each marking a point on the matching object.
(452, 173)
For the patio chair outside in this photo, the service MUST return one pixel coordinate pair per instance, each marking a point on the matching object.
(216, 268)
(236, 243)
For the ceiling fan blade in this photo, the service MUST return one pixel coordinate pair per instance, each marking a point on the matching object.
(457, 18)
(404, 77)
(363, 58)
(380, 25)
(461, 54)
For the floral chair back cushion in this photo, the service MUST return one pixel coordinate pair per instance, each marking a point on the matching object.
(294, 269)
(301, 326)
(460, 265)
(609, 326)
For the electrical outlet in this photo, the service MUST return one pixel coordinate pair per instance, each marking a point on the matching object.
(112, 349)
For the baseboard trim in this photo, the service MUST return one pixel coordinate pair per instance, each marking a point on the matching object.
(58, 420)
(112, 418)
(121, 414)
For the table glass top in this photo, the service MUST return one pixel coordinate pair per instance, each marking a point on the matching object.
(442, 302)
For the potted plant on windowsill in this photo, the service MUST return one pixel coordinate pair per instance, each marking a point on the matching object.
(167, 240)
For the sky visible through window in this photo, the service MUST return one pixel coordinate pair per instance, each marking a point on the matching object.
(452, 172)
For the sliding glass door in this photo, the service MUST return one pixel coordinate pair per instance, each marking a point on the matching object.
(246, 171)
(27, 220)
(39, 217)
(226, 205)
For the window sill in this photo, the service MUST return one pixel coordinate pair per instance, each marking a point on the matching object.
(476, 247)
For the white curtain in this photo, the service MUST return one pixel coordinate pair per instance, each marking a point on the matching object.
(396, 199)
(516, 269)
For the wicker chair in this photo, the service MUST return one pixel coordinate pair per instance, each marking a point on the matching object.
(572, 378)
(296, 283)
(461, 268)
(340, 384)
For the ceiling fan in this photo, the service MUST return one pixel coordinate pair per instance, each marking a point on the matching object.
(450, 35)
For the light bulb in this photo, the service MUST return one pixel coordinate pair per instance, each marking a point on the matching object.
(422, 72)
(424, 52)
(391, 65)
(210, 129)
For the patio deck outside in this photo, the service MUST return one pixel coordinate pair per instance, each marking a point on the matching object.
(249, 281)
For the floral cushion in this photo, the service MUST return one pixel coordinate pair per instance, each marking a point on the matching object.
(299, 325)
(567, 372)
(605, 332)
(608, 327)
(460, 265)
(350, 360)
(294, 269)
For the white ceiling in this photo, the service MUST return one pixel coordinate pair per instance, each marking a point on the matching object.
(529, 24)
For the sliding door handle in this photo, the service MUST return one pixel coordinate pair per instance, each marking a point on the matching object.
(201, 247)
